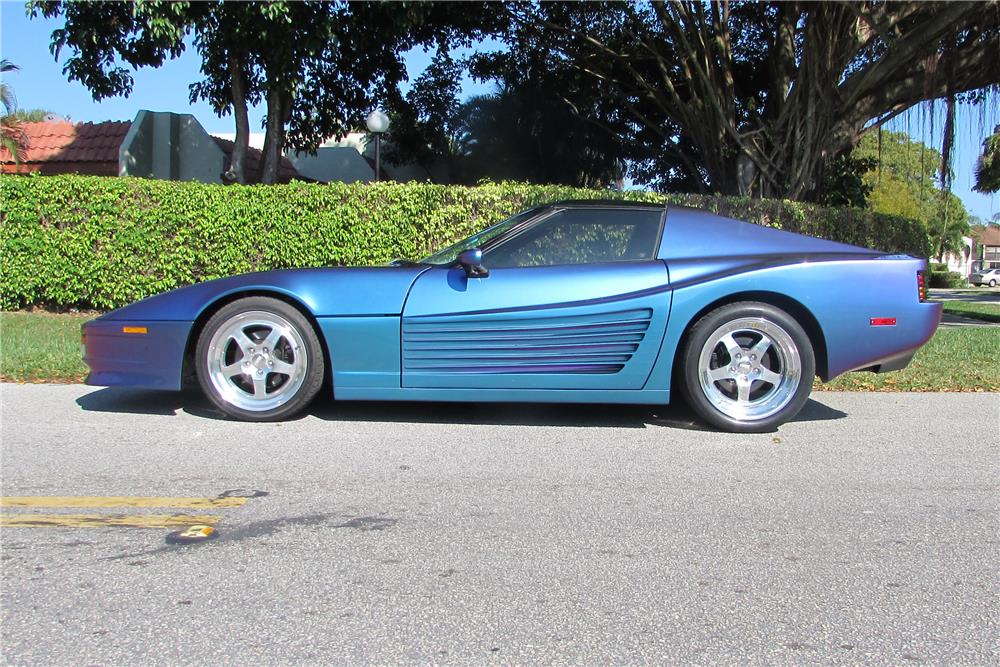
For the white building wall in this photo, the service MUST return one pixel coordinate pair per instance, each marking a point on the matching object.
(961, 263)
(344, 160)
(334, 163)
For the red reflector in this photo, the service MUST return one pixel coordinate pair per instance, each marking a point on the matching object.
(883, 321)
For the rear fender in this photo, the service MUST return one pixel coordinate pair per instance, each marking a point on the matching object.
(841, 295)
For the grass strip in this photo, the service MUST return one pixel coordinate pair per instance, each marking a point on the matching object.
(41, 347)
(44, 347)
(955, 359)
(987, 312)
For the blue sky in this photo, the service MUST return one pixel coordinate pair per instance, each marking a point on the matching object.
(41, 84)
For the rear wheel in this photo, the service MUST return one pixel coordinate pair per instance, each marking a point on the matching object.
(259, 359)
(747, 367)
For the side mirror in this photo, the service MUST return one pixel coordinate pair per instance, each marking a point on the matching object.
(472, 261)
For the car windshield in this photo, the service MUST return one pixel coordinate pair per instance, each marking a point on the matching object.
(450, 254)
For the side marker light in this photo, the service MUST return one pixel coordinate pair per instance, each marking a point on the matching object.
(883, 321)
(134, 330)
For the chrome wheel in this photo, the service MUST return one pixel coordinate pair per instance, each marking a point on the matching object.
(749, 369)
(256, 361)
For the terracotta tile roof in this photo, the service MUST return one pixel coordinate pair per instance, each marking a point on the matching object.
(254, 160)
(989, 235)
(85, 147)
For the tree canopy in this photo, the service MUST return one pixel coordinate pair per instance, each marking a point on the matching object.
(759, 97)
(318, 66)
(905, 179)
(988, 165)
(764, 99)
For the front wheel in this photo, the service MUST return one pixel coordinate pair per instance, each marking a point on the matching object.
(747, 367)
(259, 359)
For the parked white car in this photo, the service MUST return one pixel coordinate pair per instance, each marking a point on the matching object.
(989, 277)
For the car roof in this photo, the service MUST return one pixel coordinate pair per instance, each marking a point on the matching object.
(603, 203)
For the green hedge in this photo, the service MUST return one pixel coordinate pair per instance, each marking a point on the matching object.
(97, 242)
(947, 279)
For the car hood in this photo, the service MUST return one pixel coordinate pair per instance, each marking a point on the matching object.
(326, 292)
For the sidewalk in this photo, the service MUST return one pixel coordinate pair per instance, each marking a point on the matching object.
(950, 320)
(973, 295)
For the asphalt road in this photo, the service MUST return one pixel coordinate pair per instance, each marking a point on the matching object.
(865, 532)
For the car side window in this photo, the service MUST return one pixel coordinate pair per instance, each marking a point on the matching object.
(581, 236)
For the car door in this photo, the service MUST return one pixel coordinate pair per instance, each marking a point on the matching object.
(576, 301)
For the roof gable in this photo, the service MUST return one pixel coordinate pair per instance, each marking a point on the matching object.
(989, 235)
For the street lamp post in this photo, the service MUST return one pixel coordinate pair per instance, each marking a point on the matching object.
(377, 123)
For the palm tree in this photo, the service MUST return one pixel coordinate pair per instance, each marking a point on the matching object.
(12, 134)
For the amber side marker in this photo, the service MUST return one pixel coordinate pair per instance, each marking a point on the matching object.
(135, 330)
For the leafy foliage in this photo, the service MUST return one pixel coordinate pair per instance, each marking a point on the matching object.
(946, 279)
(843, 182)
(526, 130)
(988, 166)
(905, 181)
(520, 133)
(318, 66)
(425, 125)
(100, 242)
(32, 115)
(12, 135)
(755, 98)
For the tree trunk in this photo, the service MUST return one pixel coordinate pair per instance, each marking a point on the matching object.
(273, 138)
(237, 169)
(279, 109)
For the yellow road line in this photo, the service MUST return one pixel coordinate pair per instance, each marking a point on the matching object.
(120, 501)
(104, 520)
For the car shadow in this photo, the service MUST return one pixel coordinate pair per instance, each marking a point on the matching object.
(148, 402)
(677, 415)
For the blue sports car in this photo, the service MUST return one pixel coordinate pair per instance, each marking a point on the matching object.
(582, 302)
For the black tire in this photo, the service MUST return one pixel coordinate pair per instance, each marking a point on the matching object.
(259, 359)
(735, 393)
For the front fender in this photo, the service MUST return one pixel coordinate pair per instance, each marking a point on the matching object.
(143, 345)
(325, 292)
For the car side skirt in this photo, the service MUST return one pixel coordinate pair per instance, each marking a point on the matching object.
(644, 397)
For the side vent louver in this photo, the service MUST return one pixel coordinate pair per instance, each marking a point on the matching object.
(602, 343)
